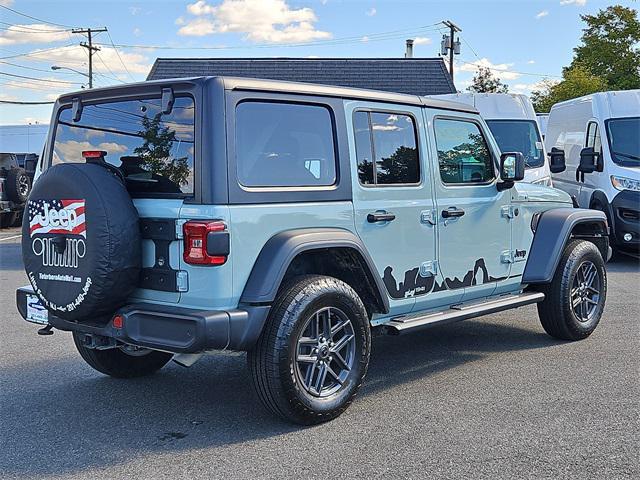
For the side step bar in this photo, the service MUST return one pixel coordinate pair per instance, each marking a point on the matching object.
(399, 325)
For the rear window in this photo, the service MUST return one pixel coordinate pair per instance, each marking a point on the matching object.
(153, 150)
(284, 145)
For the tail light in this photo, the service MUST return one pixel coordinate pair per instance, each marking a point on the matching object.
(205, 242)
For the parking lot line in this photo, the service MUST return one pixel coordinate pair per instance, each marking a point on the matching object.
(10, 238)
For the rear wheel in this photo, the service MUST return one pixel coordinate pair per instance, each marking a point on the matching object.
(574, 300)
(18, 185)
(313, 354)
(122, 362)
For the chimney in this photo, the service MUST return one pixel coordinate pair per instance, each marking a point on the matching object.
(409, 50)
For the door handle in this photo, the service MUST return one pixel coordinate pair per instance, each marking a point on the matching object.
(381, 216)
(452, 212)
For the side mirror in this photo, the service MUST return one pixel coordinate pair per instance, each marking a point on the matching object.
(588, 160)
(511, 168)
(557, 162)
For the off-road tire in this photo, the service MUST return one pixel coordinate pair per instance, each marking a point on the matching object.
(555, 312)
(18, 185)
(272, 360)
(116, 363)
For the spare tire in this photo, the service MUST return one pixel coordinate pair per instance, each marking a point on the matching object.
(81, 241)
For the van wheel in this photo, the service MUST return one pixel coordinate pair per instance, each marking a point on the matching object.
(123, 362)
(314, 350)
(574, 300)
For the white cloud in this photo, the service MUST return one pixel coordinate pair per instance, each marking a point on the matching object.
(272, 21)
(32, 33)
(531, 62)
(526, 88)
(135, 10)
(542, 14)
(371, 12)
(137, 32)
(7, 98)
(500, 70)
(422, 41)
(579, 3)
(364, 39)
(72, 147)
(6, 3)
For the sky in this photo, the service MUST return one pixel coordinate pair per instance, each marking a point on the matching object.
(523, 41)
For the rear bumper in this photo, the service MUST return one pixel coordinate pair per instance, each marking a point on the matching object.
(170, 328)
(626, 219)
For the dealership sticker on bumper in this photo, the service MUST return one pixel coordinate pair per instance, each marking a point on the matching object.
(36, 312)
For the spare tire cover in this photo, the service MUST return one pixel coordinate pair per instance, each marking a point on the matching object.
(81, 241)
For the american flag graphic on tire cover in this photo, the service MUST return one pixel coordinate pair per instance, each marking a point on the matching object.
(57, 217)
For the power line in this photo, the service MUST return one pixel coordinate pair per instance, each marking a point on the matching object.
(39, 79)
(35, 18)
(10, 27)
(389, 35)
(32, 68)
(504, 70)
(119, 57)
(36, 52)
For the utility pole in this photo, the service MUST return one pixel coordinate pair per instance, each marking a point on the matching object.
(90, 47)
(451, 45)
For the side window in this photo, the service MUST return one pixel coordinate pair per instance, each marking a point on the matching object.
(284, 145)
(593, 137)
(386, 148)
(463, 154)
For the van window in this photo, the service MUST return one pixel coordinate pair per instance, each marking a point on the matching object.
(624, 140)
(153, 150)
(519, 136)
(284, 145)
(390, 139)
(463, 154)
(593, 137)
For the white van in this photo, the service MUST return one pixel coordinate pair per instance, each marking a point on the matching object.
(512, 121)
(600, 136)
(542, 119)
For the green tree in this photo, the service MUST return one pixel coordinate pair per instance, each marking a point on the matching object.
(485, 82)
(156, 151)
(576, 82)
(609, 47)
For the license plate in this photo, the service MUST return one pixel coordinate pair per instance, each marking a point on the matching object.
(36, 312)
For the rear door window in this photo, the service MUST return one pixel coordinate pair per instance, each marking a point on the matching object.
(390, 139)
(284, 145)
(154, 150)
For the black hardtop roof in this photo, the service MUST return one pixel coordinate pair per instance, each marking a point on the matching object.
(265, 85)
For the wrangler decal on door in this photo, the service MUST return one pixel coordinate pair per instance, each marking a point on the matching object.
(415, 285)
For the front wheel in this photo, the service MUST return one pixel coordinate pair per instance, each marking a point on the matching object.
(574, 300)
(313, 354)
(124, 361)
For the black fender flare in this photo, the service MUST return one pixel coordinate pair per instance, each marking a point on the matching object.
(280, 250)
(552, 233)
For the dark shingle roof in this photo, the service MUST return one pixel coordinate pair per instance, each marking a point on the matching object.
(415, 76)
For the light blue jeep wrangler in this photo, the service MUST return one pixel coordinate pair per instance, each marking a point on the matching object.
(290, 221)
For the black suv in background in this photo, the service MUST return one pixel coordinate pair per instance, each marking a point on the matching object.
(16, 178)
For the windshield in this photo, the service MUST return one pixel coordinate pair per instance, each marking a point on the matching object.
(624, 141)
(152, 149)
(519, 136)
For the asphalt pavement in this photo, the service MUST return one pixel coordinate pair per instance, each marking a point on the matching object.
(487, 398)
